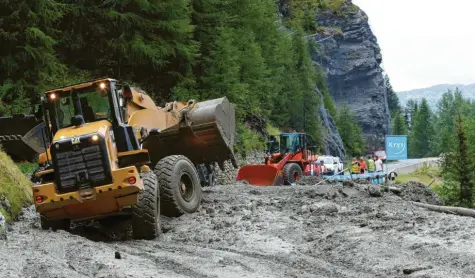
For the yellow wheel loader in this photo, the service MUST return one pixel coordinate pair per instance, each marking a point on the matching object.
(111, 151)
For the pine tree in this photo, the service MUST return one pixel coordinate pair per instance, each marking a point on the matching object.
(392, 98)
(464, 166)
(410, 113)
(350, 132)
(399, 124)
(149, 42)
(422, 132)
(27, 57)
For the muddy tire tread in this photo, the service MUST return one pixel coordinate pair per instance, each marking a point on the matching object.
(145, 219)
(288, 172)
(164, 171)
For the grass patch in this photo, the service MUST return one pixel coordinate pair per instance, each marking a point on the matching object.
(423, 175)
(14, 185)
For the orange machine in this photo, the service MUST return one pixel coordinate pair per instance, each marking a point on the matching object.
(283, 164)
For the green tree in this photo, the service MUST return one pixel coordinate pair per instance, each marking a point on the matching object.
(350, 132)
(392, 98)
(422, 132)
(459, 169)
(410, 113)
(399, 124)
(27, 56)
(148, 42)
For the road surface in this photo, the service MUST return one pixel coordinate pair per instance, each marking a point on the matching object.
(410, 165)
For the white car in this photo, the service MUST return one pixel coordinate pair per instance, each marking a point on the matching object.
(340, 164)
(330, 163)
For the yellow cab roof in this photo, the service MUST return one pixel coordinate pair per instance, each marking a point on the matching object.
(79, 85)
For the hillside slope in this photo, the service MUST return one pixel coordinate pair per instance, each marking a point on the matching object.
(15, 190)
(434, 94)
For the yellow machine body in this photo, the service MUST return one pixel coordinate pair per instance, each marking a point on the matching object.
(203, 132)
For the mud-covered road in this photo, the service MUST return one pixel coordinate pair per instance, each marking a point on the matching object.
(243, 231)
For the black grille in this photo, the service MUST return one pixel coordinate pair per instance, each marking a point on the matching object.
(81, 165)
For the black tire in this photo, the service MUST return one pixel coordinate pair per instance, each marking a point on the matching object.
(207, 175)
(146, 212)
(292, 172)
(63, 224)
(180, 187)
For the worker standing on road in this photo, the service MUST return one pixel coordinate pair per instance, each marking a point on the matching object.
(363, 166)
(355, 166)
(379, 164)
(371, 165)
(321, 169)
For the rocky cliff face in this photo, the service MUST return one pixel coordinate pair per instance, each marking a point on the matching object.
(349, 54)
(332, 142)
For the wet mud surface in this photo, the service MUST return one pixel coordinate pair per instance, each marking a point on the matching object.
(244, 231)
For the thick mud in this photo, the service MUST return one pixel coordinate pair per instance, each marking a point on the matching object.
(244, 231)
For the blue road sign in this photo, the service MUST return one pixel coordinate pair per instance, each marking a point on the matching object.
(396, 147)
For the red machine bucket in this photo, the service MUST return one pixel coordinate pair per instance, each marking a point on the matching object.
(260, 175)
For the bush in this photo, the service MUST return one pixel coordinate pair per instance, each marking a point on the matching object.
(247, 140)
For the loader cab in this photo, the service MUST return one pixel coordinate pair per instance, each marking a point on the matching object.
(89, 102)
(292, 142)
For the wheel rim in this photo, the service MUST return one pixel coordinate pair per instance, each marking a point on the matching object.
(186, 187)
(296, 176)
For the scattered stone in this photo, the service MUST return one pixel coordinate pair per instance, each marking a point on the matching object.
(117, 255)
(210, 211)
(324, 208)
(411, 270)
(375, 190)
(3, 227)
(348, 183)
(304, 209)
(362, 181)
(309, 180)
(255, 192)
(5, 204)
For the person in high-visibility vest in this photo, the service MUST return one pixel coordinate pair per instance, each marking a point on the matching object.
(355, 166)
(371, 165)
(363, 166)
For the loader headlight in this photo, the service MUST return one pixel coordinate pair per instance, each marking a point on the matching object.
(102, 85)
(95, 138)
(52, 96)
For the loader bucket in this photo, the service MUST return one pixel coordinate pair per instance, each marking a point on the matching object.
(206, 135)
(12, 131)
(260, 175)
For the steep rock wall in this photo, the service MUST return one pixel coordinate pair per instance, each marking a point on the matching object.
(332, 142)
(348, 52)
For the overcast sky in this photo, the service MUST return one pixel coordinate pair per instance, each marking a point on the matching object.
(424, 42)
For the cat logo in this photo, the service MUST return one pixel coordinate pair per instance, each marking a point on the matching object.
(75, 141)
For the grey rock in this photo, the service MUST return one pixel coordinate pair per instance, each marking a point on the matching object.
(5, 204)
(323, 208)
(3, 227)
(375, 190)
(351, 59)
(332, 142)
